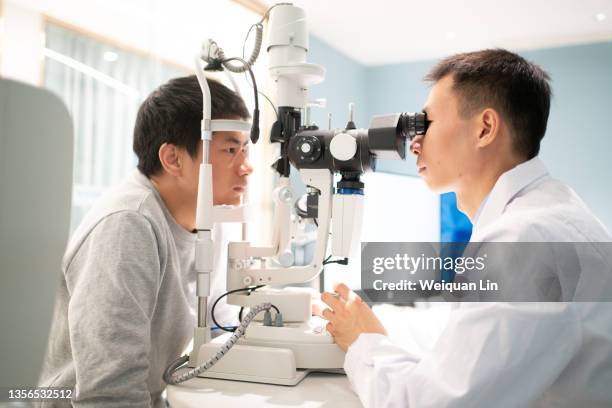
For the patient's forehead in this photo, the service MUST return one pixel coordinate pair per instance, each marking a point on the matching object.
(231, 137)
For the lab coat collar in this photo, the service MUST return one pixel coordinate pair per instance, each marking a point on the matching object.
(508, 185)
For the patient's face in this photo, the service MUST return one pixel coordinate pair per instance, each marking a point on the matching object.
(230, 167)
(443, 154)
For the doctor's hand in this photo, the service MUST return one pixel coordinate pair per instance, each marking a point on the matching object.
(348, 316)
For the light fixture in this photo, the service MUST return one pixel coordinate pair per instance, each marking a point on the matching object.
(111, 56)
(92, 72)
(599, 17)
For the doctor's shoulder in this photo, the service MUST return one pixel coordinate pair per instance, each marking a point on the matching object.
(553, 212)
(517, 226)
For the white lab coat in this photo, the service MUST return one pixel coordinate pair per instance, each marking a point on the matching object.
(503, 354)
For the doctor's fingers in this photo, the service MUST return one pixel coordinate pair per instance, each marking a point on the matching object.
(346, 293)
(332, 301)
(328, 314)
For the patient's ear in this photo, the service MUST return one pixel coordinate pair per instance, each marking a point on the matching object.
(489, 125)
(170, 159)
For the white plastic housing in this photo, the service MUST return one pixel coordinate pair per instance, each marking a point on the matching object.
(287, 49)
(204, 209)
(269, 365)
(347, 220)
(287, 35)
(204, 254)
(295, 304)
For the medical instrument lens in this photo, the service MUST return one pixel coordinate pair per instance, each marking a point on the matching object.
(412, 124)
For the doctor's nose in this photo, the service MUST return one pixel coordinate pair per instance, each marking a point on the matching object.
(416, 145)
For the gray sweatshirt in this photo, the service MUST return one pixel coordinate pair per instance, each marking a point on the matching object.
(126, 303)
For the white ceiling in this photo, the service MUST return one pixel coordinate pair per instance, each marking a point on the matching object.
(371, 32)
(171, 29)
(392, 31)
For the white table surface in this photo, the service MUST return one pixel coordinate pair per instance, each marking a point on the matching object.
(316, 390)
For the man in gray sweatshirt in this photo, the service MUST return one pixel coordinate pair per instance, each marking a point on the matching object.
(126, 304)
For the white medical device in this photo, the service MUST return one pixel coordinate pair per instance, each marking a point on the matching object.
(282, 348)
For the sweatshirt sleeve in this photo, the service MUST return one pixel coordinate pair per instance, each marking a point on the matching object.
(113, 282)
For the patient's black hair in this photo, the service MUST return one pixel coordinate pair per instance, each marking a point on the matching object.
(173, 113)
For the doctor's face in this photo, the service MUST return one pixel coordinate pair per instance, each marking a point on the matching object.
(444, 153)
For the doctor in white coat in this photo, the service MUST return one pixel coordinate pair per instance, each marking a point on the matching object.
(488, 113)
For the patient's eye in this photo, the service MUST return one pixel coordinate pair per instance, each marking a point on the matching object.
(234, 150)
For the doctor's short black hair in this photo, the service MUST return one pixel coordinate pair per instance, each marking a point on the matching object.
(516, 88)
(173, 113)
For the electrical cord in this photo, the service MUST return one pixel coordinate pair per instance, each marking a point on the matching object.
(256, 47)
(212, 310)
(246, 39)
(341, 261)
(255, 125)
(254, 54)
(225, 328)
(242, 308)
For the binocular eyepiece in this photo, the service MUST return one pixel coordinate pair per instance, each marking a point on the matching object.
(411, 124)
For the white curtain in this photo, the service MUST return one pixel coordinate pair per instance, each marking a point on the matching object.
(103, 98)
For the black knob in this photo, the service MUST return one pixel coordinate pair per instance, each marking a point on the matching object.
(308, 148)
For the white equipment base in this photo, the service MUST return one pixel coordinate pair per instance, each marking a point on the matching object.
(274, 355)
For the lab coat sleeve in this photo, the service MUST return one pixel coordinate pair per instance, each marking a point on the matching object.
(113, 283)
(489, 355)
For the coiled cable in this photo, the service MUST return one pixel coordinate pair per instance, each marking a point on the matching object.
(238, 69)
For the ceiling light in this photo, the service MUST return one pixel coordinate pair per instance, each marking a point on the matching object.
(599, 17)
(111, 56)
(92, 72)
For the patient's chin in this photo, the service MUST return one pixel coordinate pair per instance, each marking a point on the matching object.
(233, 199)
(229, 198)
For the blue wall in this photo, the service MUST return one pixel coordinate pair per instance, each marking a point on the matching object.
(344, 83)
(577, 147)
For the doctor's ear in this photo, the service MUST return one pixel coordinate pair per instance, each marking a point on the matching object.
(489, 125)
(170, 159)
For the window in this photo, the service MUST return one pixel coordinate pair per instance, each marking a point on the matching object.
(102, 86)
